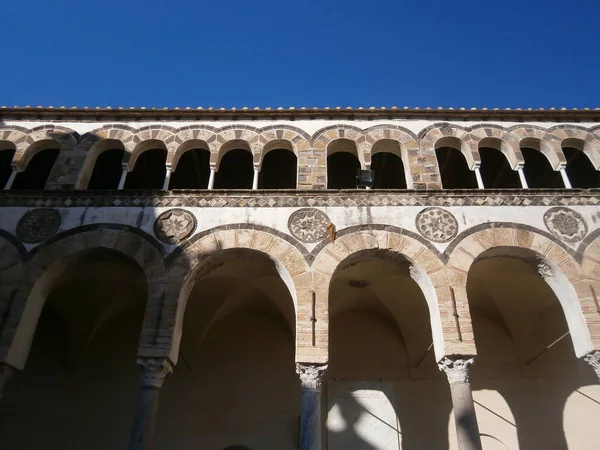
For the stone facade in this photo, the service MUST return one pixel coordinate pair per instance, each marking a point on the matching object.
(311, 237)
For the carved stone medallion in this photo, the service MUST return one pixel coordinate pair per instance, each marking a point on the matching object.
(308, 225)
(565, 224)
(174, 226)
(38, 225)
(437, 224)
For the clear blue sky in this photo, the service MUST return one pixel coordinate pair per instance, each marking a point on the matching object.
(486, 53)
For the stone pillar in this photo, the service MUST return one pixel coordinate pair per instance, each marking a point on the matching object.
(565, 178)
(123, 177)
(255, 179)
(593, 359)
(467, 430)
(5, 373)
(211, 178)
(311, 377)
(522, 177)
(167, 178)
(154, 371)
(11, 179)
(478, 177)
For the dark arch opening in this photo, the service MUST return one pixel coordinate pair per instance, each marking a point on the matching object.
(341, 170)
(538, 172)
(495, 170)
(454, 170)
(278, 170)
(107, 170)
(389, 171)
(37, 171)
(149, 170)
(235, 170)
(580, 170)
(192, 171)
(6, 157)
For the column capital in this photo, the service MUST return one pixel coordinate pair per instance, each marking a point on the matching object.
(456, 368)
(593, 359)
(311, 375)
(154, 371)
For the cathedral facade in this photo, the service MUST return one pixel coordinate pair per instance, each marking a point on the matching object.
(282, 279)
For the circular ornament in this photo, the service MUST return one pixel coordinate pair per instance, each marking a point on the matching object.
(436, 224)
(565, 224)
(308, 225)
(174, 225)
(38, 225)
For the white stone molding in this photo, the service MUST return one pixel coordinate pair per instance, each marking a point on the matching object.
(311, 375)
(154, 371)
(593, 359)
(457, 370)
(545, 270)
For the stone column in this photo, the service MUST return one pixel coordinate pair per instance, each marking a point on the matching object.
(167, 178)
(565, 177)
(5, 373)
(467, 430)
(478, 177)
(522, 177)
(154, 371)
(593, 359)
(311, 377)
(123, 177)
(211, 178)
(255, 179)
(11, 179)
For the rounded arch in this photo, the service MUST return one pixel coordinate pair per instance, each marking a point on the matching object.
(237, 136)
(557, 267)
(441, 135)
(198, 136)
(141, 147)
(97, 148)
(48, 260)
(580, 138)
(497, 138)
(192, 261)
(538, 138)
(227, 146)
(18, 136)
(323, 138)
(192, 144)
(283, 136)
(427, 270)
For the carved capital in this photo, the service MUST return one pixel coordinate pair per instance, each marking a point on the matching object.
(457, 369)
(154, 371)
(593, 359)
(311, 375)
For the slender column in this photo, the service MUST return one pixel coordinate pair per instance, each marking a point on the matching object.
(154, 371)
(211, 177)
(563, 174)
(311, 377)
(5, 373)
(123, 177)
(167, 178)
(522, 177)
(467, 430)
(479, 179)
(255, 179)
(11, 179)
(593, 359)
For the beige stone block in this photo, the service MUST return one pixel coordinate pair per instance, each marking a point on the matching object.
(461, 260)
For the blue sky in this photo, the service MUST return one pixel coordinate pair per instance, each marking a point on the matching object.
(484, 53)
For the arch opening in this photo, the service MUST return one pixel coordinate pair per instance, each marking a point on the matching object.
(86, 326)
(381, 343)
(107, 170)
(496, 171)
(580, 170)
(6, 157)
(149, 170)
(342, 168)
(236, 170)
(538, 171)
(454, 171)
(37, 171)
(278, 170)
(192, 170)
(237, 343)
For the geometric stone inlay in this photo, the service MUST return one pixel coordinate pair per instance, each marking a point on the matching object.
(308, 225)
(565, 224)
(38, 225)
(436, 224)
(174, 225)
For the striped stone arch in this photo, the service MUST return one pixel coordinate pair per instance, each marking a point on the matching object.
(194, 137)
(53, 258)
(95, 142)
(186, 268)
(325, 136)
(443, 134)
(567, 278)
(283, 137)
(19, 137)
(495, 136)
(238, 136)
(43, 137)
(581, 138)
(548, 143)
(153, 136)
(427, 270)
